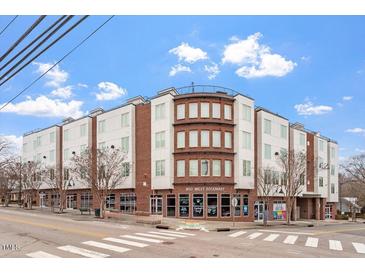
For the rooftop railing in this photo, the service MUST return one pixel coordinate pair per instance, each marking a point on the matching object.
(205, 89)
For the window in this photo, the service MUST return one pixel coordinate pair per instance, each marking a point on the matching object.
(275, 177)
(216, 110)
(267, 126)
(83, 130)
(267, 177)
(160, 111)
(66, 154)
(184, 202)
(204, 138)
(128, 202)
(125, 120)
(302, 179)
(283, 132)
(180, 112)
(181, 139)
(204, 167)
(193, 138)
(160, 139)
(125, 144)
(246, 140)
(212, 205)
(101, 126)
(193, 168)
(171, 205)
(193, 110)
(228, 112)
(198, 205)
(52, 137)
(284, 152)
(302, 139)
(320, 162)
(66, 174)
(180, 165)
(237, 209)
(51, 174)
(228, 139)
(160, 168)
(51, 155)
(86, 200)
(246, 113)
(267, 152)
(225, 205)
(204, 110)
(216, 139)
(332, 188)
(333, 153)
(332, 169)
(125, 169)
(110, 201)
(283, 178)
(321, 145)
(227, 168)
(279, 210)
(216, 167)
(245, 205)
(246, 168)
(320, 181)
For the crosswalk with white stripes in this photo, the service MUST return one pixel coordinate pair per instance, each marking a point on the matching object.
(312, 242)
(119, 245)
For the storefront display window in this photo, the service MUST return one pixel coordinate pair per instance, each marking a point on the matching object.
(184, 205)
(225, 205)
(86, 200)
(212, 205)
(198, 205)
(279, 210)
(237, 209)
(171, 205)
(110, 201)
(128, 202)
(245, 205)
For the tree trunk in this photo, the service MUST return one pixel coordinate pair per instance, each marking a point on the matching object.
(288, 213)
(102, 208)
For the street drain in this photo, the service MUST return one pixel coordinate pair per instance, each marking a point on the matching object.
(215, 255)
(167, 243)
(192, 257)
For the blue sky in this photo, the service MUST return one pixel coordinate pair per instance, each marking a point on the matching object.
(310, 69)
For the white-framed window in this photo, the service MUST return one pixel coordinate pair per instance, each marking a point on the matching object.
(193, 167)
(320, 181)
(216, 167)
(246, 143)
(204, 110)
(246, 168)
(246, 112)
(193, 138)
(302, 139)
(204, 138)
(333, 188)
(180, 112)
(267, 151)
(125, 120)
(125, 144)
(160, 168)
(66, 154)
(83, 130)
(228, 112)
(216, 110)
(180, 166)
(160, 111)
(333, 153)
(52, 137)
(227, 168)
(267, 126)
(82, 148)
(216, 139)
(227, 139)
(51, 155)
(283, 132)
(181, 139)
(66, 135)
(333, 170)
(321, 145)
(101, 126)
(160, 139)
(125, 169)
(193, 110)
(204, 167)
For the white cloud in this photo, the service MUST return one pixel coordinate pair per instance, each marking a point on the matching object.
(356, 130)
(255, 60)
(16, 142)
(189, 54)
(213, 70)
(308, 108)
(63, 92)
(82, 85)
(109, 91)
(347, 98)
(305, 59)
(42, 106)
(56, 76)
(178, 68)
(360, 150)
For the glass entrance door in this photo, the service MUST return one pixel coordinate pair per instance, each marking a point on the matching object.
(71, 201)
(42, 200)
(328, 212)
(259, 210)
(156, 204)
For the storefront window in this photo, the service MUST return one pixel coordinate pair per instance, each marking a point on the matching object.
(237, 209)
(171, 205)
(245, 205)
(86, 200)
(212, 205)
(225, 205)
(110, 201)
(279, 210)
(128, 202)
(198, 205)
(184, 205)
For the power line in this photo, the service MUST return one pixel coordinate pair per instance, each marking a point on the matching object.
(12, 20)
(59, 61)
(25, 34)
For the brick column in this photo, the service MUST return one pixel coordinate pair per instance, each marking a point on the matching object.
(317, 208)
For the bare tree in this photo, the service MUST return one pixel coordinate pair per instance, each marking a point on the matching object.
(102, 171)
(355, 168)
(32, 181)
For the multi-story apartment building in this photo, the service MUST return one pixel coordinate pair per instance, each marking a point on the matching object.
(189, 153)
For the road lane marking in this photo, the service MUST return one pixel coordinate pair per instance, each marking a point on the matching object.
(271, 237)
(82, 251)
(125, 242)
(311, 242)
(335, 245)
(181, 233)
(155, 236)
(286, 232)
(254, 235)
(360, 248)
(107, 246)
(41, 254)
(290, 240)
(167, 234)
(236, 234)
(141, 238)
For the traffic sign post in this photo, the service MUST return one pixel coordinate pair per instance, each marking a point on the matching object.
(234, 203)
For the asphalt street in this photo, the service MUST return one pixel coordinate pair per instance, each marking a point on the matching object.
(28, 234)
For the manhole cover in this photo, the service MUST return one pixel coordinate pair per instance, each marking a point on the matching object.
(168, 243)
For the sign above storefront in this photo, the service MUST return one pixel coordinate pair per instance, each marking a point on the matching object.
(205, 188)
